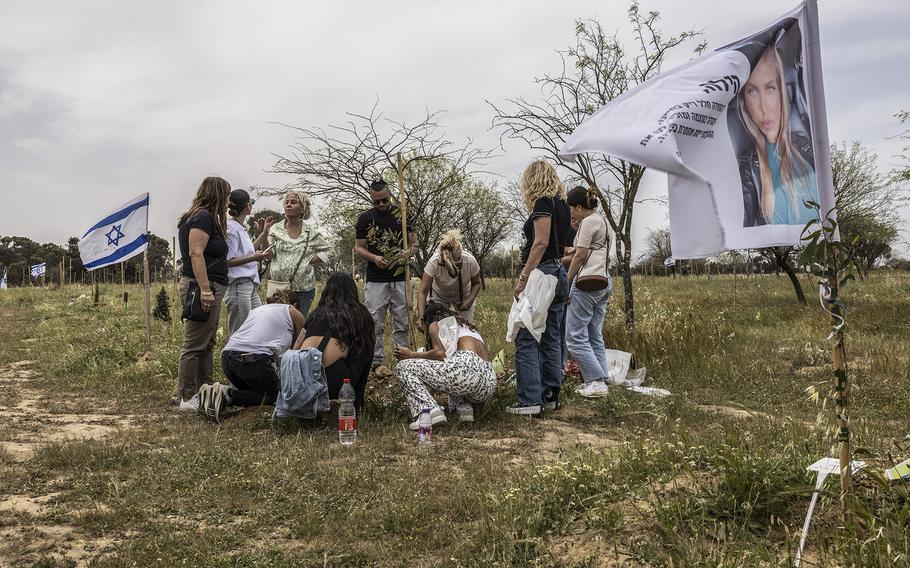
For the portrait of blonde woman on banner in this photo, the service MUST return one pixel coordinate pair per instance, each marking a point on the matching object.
(769, 127)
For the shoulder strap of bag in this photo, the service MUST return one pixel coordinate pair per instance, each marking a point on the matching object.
(460, 285)
(306, 245)
(554, 226)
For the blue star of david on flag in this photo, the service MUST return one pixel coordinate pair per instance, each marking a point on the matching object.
(114, 235)
(118, 236)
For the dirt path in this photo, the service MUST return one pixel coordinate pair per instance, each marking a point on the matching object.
(30, 418)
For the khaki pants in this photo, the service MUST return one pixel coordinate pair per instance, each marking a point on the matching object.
(196, 355)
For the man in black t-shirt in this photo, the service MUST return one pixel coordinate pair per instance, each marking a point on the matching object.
(377, 235)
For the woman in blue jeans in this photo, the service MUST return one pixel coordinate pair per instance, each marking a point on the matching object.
(538, 364)
(590, 292)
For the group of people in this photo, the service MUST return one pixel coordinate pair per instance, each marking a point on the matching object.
(564, 276)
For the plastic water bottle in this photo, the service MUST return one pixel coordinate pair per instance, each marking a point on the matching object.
(425, 430)
(347, 415)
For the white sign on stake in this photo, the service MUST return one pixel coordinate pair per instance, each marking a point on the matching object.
(823, 467)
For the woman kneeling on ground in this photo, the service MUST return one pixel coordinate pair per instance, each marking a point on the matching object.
(456, 363)
(249, 359)
(342, 328)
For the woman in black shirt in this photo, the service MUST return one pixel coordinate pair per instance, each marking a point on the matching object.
(202, 231)
(539, 364)
(341, 316)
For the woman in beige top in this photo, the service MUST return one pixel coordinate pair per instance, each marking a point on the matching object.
(451, 277)
(585, 316)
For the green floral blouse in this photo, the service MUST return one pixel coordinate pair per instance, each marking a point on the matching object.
(287, 252)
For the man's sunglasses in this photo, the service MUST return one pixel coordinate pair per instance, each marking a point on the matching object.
(382, 200)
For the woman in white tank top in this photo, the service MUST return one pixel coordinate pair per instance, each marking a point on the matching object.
(456, 363)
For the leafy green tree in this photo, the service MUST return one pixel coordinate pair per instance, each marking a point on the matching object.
(867, 203)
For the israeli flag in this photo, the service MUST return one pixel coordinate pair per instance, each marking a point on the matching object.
(38, 270)
(117, 237)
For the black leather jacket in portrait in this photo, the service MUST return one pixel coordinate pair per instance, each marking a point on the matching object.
(751, 178)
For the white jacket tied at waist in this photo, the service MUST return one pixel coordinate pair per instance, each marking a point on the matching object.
(529, 311)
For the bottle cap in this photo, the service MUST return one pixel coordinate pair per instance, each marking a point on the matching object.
(347, 381)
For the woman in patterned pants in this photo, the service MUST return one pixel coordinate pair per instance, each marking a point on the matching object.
(456, 363)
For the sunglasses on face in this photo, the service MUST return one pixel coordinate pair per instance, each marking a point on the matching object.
(382, 201)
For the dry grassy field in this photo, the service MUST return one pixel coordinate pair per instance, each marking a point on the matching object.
(98, 469)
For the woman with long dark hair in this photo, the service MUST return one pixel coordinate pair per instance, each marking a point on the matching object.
(341, 316)
(539, 363)
(202, 231)
(456, 362)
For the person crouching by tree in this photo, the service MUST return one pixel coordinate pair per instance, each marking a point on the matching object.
(201, 234)
(250, 357)
(456, 362)
(378, 240)
(451, 277)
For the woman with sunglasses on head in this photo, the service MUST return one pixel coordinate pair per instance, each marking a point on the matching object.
(299, 247)
(456, 362)
(243, 261)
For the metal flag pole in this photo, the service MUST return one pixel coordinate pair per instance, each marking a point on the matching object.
(405, 248)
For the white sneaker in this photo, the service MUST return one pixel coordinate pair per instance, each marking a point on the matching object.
(594, 389)
(465, 412)
(191, 405)
(437, 415)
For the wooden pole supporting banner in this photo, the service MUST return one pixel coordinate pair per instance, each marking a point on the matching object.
(148, 300)
(403, 204)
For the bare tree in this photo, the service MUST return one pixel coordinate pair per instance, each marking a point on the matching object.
(595, 71)
(342, 160)
(657, 244)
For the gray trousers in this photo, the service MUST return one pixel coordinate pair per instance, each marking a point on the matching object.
(380, 296)
(196, 355)
(241, 298)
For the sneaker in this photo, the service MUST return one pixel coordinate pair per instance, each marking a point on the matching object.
(437, 415)
(191, 405)
(205, 399)
(594, 389)
(465, 412)
(550, 399)
(219, 401)
(524, 409)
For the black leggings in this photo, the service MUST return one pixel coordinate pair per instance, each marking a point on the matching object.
(253, 376)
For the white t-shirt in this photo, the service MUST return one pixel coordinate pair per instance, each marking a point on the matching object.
(268, 330)
(239, 246)
(593, 235)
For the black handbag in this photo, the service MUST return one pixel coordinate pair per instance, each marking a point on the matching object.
(192, 304)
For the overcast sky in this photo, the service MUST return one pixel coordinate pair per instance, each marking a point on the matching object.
(101, 101)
